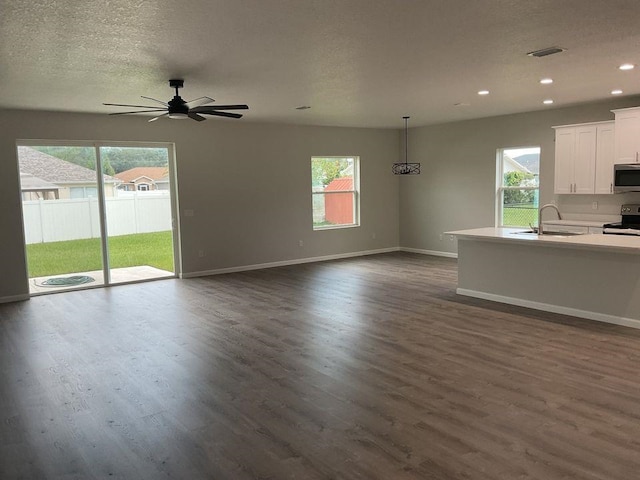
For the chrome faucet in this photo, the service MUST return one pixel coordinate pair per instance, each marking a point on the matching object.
(550, 205)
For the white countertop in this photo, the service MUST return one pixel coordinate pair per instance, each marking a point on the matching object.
(595, 241)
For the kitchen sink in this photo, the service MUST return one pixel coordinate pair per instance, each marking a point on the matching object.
(550, 233)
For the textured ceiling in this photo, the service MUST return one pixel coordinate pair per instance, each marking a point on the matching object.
(355, 62)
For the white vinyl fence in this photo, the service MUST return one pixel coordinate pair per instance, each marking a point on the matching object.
(72, 219)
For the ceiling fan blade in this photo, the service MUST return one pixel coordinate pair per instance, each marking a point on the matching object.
(222, 114)
(137, 111)
(199, 101)
(155, 118)
(134, 106)
(155, 100)
(216, 108)
(196, 117)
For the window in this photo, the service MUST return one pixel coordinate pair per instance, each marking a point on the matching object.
(143, 187)
(83, 192)
(334, 187)
(517, 186)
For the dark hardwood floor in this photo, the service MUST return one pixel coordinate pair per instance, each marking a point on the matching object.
(366, 368)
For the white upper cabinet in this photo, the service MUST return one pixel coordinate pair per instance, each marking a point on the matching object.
(584, 166)
(627, 136)
(584, 158)
(605, 157)
(565, 158)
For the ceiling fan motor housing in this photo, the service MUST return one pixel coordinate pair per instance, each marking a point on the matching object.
(178, 107)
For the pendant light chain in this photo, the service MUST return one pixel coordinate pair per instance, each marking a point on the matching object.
(406, 140)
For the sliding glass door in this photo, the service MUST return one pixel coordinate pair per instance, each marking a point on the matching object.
(96, 214)
(61, 216)
(138, 212)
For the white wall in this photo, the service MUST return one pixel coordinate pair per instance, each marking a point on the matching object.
(248, 185)
(456, 189)
(226, 168)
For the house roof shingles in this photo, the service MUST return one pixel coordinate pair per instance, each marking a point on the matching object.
(152, 173)
(54, 170)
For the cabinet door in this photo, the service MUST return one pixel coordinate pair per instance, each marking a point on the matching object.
(565, 156)
(605, 137)
(584, 167)
(627, 136)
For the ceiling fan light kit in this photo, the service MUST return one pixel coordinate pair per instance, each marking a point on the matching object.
(178, 109)
(406, 168)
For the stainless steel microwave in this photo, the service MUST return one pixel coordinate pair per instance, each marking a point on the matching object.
(626, 178)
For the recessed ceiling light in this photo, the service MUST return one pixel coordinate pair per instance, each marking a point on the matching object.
(546, 81)
(627, 66)
(548, 101)
(303, 107)
(483, 92)
(616, 92)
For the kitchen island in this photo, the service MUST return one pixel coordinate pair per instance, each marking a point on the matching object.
(592, 276)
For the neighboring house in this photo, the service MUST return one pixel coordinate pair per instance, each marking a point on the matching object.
(338, 208)
(46, 177)
(34, 188)
(531, 161)
(144, 179)
(511, 165)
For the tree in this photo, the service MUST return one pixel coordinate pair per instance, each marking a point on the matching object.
(114, 159)
(324, 170)
(519, 179)
(107, 169)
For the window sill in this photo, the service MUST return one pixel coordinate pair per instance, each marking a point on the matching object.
(335, 227)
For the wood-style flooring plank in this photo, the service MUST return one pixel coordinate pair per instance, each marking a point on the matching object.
(365, 368)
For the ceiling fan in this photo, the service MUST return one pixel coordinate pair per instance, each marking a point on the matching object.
(178, 108)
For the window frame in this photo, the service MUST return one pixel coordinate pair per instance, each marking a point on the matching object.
(501, 188)
(355, 192)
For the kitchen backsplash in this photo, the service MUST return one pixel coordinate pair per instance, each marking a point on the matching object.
(581, 207)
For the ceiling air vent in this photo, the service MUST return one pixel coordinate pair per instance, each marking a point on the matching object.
(546, 51)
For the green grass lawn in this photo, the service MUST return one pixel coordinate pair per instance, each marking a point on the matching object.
(75, 256)
(519, 217)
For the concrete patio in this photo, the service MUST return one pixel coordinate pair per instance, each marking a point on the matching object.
(118, 275)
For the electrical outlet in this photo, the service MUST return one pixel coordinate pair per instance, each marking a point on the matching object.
(373, 236)
(200, 253)
(441, 237)
(300, 243)
(594, 206)
(188, 212)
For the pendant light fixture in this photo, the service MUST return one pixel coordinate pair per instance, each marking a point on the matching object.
(406, 168)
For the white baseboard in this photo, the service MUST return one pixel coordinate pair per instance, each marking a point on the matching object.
(429, 252)
(15, 298)
(574, 312)
(297, 261)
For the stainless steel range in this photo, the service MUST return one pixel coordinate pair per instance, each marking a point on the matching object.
(630, 224)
